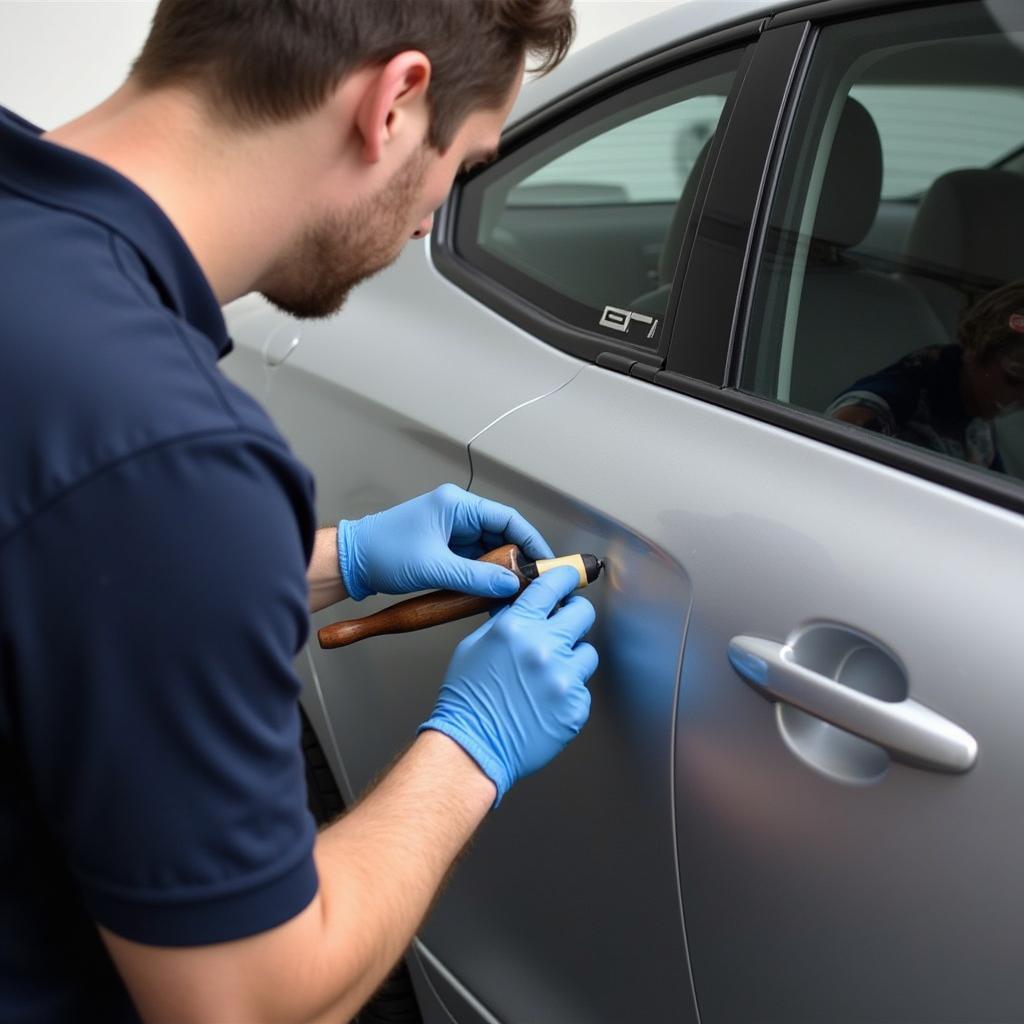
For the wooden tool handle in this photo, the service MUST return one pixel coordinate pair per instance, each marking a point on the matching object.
(423, 611)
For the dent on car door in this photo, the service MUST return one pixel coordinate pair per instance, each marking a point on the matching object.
(566, 909)
(847, 752)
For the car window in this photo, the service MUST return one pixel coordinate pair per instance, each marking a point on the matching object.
(928, 130)
(890, 289)
(586, 222)
(645, 160)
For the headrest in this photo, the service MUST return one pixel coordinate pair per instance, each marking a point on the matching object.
(852, 188)
(972, 223)
(849, 198)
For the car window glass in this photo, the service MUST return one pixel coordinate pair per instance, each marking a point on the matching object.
(890, 291)
(928, 130)
(645, 160)
(586, 222)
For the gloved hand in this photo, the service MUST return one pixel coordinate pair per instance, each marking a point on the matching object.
(515, 691)
(432, 542)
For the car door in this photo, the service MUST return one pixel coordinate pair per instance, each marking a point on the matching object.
(567, 906)
(382, 403)
(386, 401)
(841, 754)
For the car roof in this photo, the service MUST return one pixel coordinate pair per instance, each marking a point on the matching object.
(688, 20)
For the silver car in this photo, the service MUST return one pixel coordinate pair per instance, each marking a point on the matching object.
(799, 795)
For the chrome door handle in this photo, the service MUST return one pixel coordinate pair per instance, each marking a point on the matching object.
(906, 729)
(283, 341)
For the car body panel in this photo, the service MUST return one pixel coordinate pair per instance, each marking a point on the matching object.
(397, 337)
(771, 533)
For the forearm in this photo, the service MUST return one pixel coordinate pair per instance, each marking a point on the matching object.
(381, 865)
(325, 583)
(379, 868)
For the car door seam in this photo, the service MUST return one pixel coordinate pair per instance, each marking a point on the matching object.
(674, 813)
(434, 961)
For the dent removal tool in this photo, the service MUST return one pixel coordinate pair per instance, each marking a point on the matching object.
(441, 606)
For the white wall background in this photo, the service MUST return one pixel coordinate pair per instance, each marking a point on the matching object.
(59, 57)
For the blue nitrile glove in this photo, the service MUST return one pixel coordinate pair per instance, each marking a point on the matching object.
(431, 542)
(515, 692)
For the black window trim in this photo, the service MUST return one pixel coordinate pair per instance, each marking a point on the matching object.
(820, 12)
(725, 229)
(1001, 491)
(745, 296)
(576, 341)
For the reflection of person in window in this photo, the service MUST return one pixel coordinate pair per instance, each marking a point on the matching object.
(945, 397)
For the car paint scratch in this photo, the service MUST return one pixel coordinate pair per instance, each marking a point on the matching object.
(514, 409)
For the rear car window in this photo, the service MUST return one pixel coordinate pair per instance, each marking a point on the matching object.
(890, 290)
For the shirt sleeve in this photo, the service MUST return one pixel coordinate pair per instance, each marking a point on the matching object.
(891, 394)
(157, 705)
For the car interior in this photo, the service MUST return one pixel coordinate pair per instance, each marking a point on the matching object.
(596, 216)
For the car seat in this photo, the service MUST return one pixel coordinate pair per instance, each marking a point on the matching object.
(966, 240)
(852, 320)
(654, 302)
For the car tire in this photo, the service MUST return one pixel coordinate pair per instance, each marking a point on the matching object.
(395, 1001)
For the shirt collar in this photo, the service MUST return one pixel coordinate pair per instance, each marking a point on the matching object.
(63, 179)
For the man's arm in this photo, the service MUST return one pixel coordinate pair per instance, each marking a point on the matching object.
(325, 583)
(858, 415)
(379, 869)
(514, 695)
(431, 542)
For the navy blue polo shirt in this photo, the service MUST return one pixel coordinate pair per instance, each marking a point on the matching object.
(154, 537)
(919, 399)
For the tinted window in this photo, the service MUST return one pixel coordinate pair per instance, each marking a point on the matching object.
(645, 160)
(928, 130)
(587, 221)
(890, 294)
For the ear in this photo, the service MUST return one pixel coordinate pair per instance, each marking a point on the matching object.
(393, 103)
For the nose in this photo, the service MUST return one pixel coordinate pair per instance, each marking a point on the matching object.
(424, 227)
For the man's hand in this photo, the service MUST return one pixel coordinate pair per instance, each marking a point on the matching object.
(433, 541)
(515, 693)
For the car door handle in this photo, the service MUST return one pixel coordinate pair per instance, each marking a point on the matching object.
(907, 730)
(281, 344)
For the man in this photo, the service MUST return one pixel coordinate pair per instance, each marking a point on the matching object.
(948, 397)
(157, 552)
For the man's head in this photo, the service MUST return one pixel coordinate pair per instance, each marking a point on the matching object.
(398, 95)
(992, 335)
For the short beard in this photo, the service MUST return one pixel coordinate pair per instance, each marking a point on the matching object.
(313, 279)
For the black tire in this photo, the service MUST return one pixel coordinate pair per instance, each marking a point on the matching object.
(395, 1001)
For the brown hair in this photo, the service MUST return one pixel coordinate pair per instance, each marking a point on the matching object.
(994, 324)
(265, 61)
